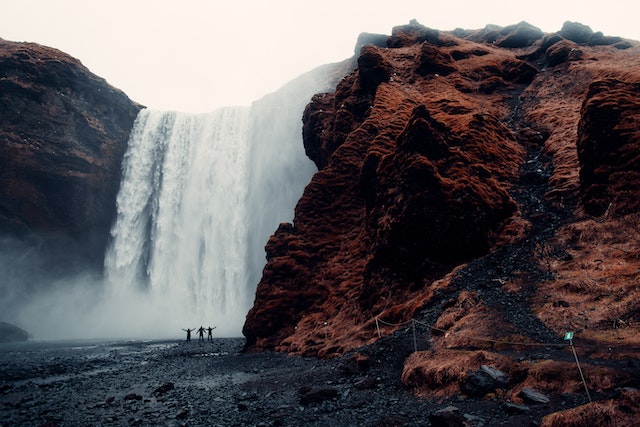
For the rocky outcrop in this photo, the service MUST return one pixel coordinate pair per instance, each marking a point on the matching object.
(609, 147)
(455, 170)
(63, 134)
(414, 179)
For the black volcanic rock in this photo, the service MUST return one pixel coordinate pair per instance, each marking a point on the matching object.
(519, 35)
(63, 133)
(576, 32)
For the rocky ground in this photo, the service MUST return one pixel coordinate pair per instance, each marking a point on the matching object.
(176, 383)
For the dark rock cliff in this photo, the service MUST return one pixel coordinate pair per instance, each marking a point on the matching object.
(477, 197)
(63, 133)
(440, 149)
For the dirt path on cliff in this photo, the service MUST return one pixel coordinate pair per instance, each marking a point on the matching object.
(518, 261)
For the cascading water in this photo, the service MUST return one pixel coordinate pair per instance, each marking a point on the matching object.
(181, 228)
(199, 197)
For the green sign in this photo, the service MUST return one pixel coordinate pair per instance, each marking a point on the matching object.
(568, 336)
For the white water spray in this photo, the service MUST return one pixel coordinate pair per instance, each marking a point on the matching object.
(200, 196)
(181, 227)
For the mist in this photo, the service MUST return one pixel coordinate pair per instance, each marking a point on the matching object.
(199, 198)
(50, 304)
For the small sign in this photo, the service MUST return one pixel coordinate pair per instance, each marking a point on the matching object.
(568, 336)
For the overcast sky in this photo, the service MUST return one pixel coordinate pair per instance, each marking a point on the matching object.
(197, 55)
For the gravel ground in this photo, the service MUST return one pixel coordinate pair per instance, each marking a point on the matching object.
(178, 383)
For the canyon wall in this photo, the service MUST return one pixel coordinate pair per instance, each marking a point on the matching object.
(442, 149)
(63, 134)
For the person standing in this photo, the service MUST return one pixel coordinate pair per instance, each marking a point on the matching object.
(188, 331)
(201, 334)
(209, 331)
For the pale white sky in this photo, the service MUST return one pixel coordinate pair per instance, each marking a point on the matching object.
(198, 55)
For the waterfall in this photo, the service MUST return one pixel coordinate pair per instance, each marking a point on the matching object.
(181, 223)
(200, 195)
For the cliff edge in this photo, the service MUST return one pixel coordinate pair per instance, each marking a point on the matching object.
(63, 134)
(477, 195)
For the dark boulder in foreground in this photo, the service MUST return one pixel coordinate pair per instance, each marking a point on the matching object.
(11, 333)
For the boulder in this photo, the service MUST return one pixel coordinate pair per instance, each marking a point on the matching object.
(576, 32)
(309, 395)
(164, 388)
(484, 380)
(447, 417)
(530, 395)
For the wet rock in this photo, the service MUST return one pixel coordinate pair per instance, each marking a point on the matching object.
(447, 417)
(357, 363)
(623, 45)
(364, 39)
(530, 395)
(366, 383)
(600, 39)
(513, 409)
(133, 396)
(164, 388)
(485, 380)
(473, 420)
(501, 379)
(626, 390)
(182, 415)
(310, 395)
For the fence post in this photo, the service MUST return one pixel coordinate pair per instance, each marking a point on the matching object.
(415, 344)
(569, 336)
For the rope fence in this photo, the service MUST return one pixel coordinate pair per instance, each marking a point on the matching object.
(568, 337)
(445, 332)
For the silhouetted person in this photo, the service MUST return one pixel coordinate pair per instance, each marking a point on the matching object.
(201, 334)
(209, 330)
(188, 331)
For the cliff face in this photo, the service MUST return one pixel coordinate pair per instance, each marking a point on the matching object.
(477, 197)
(459, 170)
(63, 133)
